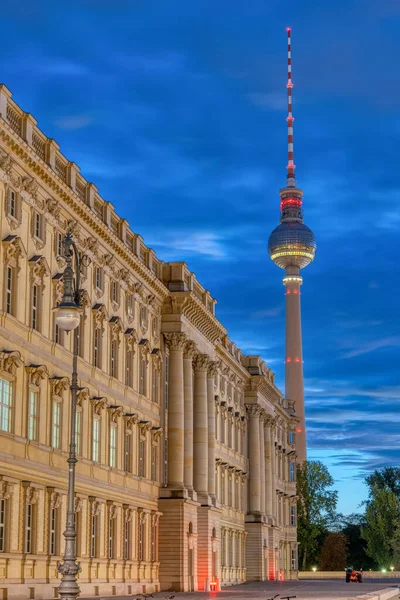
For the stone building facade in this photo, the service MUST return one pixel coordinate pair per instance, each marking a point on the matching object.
(186, 470)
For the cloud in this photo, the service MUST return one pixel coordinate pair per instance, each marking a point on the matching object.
(270, 100)
(269, 312)
(204, 243)
(74, 122)
(388, 342)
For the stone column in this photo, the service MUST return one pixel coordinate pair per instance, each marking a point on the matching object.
(200, 445)
(273, 471)
(176, 342)
(262, 464)
(253, 411)
(189, 351)
(212, 370)
(269, 489)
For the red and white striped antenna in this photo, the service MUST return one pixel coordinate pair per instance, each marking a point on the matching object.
(290, 166)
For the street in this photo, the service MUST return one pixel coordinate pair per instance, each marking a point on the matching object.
(302, 590)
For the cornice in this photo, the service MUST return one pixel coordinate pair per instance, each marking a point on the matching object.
(189, 306)
(44, 172)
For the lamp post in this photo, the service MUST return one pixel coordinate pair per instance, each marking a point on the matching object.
(68, 316)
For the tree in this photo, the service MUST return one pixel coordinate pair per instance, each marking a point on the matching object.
(388, 477)
(315, 506)
(334, 552)
(356, 547)
(382, 517)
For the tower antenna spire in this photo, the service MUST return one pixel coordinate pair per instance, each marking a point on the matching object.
(291, 181)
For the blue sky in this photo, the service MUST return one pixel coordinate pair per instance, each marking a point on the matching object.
(176, 110)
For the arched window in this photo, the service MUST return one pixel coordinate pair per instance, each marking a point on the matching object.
(190, 527)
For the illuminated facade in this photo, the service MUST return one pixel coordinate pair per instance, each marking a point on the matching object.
(186, 451)
(292, 247)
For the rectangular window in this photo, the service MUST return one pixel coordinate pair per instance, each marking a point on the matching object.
(153, 543)
(292, 472)
(10, 290)
(222, 489)
(142, 457)
(291, 437)
(236, 426)
(141, 534)
(59, 244)
(114, 359)
(93, 535)
(166, 383)
(96, 440)
(130, 306)
(37, 225)
(56, 425)
(2, 525)
(128, 453)
(127, 539)
(292, 515)
(142, 376)
(97, 347)
(33, 416)
(230, 492)
(113, 446)
(98, 278)
(115, 292)
(78, 432)
(154, 385)
(58, 335)
(294, 561)
(12, 204)
(154, 463)
(229, 433)
(110, 538)
(5, 405)
(53, 531)
(128, 368)
(29, 528)
(35, 307)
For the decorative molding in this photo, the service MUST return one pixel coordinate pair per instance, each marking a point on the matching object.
(130, 421)
(14, 250)
(99, 312)
(253, 410)
(82, 396)
(98, 404)
(115, 329)
(59, 385)
(115, 413)
(5, 490)
(201, 362)
(10, 360)
(37, 373)
(175, 341)
(39, 269)
(131, 338)
(212, 369)
(156, 433)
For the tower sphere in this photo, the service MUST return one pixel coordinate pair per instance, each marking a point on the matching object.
(292, 244)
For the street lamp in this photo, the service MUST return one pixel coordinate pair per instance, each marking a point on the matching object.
(68, 316)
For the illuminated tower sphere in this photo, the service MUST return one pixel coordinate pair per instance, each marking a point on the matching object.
(292, 247)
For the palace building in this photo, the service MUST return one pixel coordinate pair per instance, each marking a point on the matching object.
(186, 448)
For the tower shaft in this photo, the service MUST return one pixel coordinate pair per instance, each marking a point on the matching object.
(292, 247)
(294, 380)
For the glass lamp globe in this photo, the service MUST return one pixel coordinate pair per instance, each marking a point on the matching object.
(68, 316)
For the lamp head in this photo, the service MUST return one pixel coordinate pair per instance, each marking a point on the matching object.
(68, 315)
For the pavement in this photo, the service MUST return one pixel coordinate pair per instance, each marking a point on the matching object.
(267, 590)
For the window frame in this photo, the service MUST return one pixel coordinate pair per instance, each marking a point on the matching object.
(7, 408)
(33, 418)
(96, 440)
(56, 427)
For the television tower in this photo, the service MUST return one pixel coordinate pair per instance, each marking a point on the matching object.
(292, 247)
